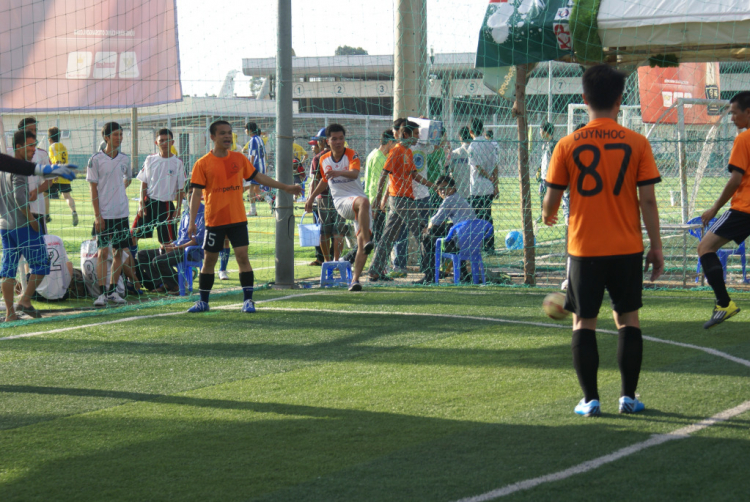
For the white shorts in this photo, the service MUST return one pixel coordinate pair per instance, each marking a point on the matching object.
(345, 208)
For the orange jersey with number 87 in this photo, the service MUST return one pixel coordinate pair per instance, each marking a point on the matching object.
(603, 163)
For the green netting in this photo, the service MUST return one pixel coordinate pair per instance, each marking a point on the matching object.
(449, 89)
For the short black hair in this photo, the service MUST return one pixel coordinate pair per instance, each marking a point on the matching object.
(334, 128)
(548, 128)
(464, 134)
(252, 127)
(20, 138)
(477, 125)
(216, 124)
(164, 131)
(109, 128)
(446, 179)
(387, 137)
(742, 99)
(580, 126)
(602, 86)
(409, 127)
(26, 122)
(53, 135)
(489, 134)
(398, 123)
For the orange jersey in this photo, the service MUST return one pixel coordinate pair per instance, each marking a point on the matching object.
(400, 165)
(604, 164)
(739, 160)
(221, 180)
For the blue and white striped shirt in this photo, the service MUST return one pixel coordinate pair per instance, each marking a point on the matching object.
(257, 152)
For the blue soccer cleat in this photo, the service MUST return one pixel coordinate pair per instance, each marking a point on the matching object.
(248, 307)
(67, 171)
(200, 306)
(628, 405)
(590, 409)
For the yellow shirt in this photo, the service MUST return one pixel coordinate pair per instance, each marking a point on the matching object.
(298, 152)
(58, 154)
(173, 150)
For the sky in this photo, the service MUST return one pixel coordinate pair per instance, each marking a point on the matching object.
(214, 38)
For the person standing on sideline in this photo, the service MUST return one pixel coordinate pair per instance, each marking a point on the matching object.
(109, 175)
(20, 235)
(400, 168)
(459, 168)
(483, 166)
(734, 224)
(257, 154)
(58, 154)
(220, 175)
(340, 172)
(611, 174)
(374, 168)
(162, 181)
(37, 185)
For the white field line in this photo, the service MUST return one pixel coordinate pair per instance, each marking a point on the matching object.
(707, 350)
(138, 318)
(589, 465)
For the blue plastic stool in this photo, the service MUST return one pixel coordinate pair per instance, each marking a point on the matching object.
(327, 272)
(185, 268)
(723, 254)
(469, 235)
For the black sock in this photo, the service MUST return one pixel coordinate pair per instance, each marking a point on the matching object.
(715, 276)
(586, 361)
(629, 357)
(205, 283)
(112, 289)
(247, 279)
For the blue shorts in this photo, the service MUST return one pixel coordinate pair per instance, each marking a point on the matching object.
(261, 170)
(27, 243)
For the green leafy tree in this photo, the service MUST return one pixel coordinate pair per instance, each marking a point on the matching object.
(345, 50)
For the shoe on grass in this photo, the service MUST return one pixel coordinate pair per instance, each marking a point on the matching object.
(628, 405)
(397, 274)
(248, 307)
(75, 219)
(199, 306)
(29, 311)
(223, 275)
(355, 286)
(590, 409)
(101, 300)
(721, 314)
(116, 298)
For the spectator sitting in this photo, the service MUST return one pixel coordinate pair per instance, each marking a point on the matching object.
(158, 266)
(454, 208)
(20, 234)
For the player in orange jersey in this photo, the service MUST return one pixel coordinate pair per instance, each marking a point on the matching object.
(219, 175)
(611, 174)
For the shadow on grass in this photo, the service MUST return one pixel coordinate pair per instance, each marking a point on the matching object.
(191, 448)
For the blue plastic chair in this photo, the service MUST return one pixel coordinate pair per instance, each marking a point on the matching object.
(723, 254)
(185, 268)
(469, 236)
(327, 273)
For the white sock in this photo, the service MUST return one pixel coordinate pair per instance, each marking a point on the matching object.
(252, 205)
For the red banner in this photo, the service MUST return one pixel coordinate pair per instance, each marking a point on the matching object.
(660, 88)
(83, 54)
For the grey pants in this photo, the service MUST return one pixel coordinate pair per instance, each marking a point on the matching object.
(403, 212)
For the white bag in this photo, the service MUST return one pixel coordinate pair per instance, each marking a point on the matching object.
(88, 267)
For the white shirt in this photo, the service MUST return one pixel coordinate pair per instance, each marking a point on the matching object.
(420, 161)
(164, 177)
(110, 174)
(341, 186)
(460, 170)
(55, 285)
(38, 206)
(482, 153)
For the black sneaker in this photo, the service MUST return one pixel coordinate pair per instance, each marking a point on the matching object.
(356, 286)
(424, 281)
(368, 247)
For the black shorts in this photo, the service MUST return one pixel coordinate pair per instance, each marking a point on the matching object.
(115, 232)
(157, 216)
(733, 225)
(622, 276)
(56, 188)
(213, 241)
(330, 221)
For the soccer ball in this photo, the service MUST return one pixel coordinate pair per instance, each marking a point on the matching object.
(554, 306)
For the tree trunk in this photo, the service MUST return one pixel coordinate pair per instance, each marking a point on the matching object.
(519, 110)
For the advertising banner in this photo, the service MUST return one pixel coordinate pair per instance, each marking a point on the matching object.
(85, 54)
(660, 88)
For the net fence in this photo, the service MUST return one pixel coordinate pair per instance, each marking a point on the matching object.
(463, 94)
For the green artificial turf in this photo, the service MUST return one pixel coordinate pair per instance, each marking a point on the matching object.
(305, 404)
